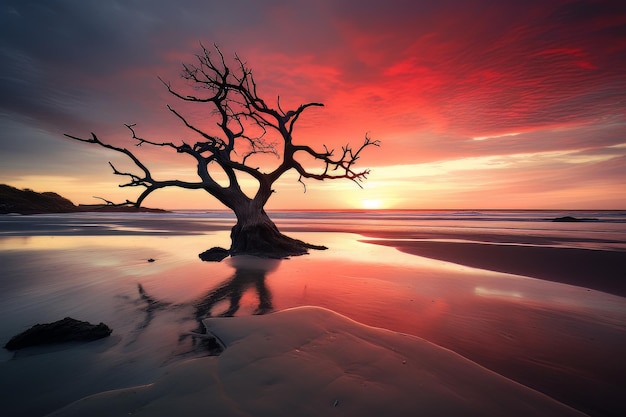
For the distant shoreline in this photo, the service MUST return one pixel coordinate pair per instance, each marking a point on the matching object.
(27, 201)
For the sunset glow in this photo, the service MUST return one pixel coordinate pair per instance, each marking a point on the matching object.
(477, 105)
(372, 204)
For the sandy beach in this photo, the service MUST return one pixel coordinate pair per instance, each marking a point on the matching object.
(392, 322)
(310, 361)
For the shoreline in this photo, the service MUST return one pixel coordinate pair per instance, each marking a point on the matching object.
(561, 340)
(601, 270)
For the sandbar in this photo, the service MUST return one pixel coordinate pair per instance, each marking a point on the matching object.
(601, 270)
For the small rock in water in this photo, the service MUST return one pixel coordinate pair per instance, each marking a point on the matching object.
(151, 260)
(61, 331)
(215, 254)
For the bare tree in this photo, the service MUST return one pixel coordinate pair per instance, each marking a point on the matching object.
(247, 126)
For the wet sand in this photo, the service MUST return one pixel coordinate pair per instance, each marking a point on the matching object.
(602, 270)
(574, 369)
(553, 332)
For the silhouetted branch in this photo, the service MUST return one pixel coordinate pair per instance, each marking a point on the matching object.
(295, 115)
(146, 180)
(112, 204)
(141, 141)
(344, 164)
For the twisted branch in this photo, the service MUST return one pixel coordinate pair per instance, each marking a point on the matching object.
(146, 181)
(344, 164)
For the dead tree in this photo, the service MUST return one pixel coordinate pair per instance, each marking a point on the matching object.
(247, 126)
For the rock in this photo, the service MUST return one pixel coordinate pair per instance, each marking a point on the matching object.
(570, 219)
(61, 331)
(215, 254)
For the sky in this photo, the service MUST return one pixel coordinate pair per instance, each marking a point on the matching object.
(477, 103)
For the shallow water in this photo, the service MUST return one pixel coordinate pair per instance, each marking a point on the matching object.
(564, 340)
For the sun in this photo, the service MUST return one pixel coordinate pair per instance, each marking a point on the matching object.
(372, 204)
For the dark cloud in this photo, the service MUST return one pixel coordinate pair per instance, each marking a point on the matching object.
(94, 37)
(582, 11)
(80, 66)
(49, 50)
(29, 150)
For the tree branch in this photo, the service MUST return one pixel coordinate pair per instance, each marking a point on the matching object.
(344, 164)
(297, 114)
(112, 204)
(146, 180)
(213, 144)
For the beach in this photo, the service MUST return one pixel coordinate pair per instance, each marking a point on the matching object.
(463, 313)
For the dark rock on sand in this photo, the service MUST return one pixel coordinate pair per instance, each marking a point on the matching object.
(66, 330)
(215, 254)
(570, 219)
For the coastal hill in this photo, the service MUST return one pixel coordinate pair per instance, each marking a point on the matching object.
(26, 201)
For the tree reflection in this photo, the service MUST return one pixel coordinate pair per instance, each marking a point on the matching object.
(250, 273)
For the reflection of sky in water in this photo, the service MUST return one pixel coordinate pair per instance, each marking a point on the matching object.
(347, 277)
(477, 313)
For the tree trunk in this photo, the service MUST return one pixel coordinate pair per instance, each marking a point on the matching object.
(256, 234)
